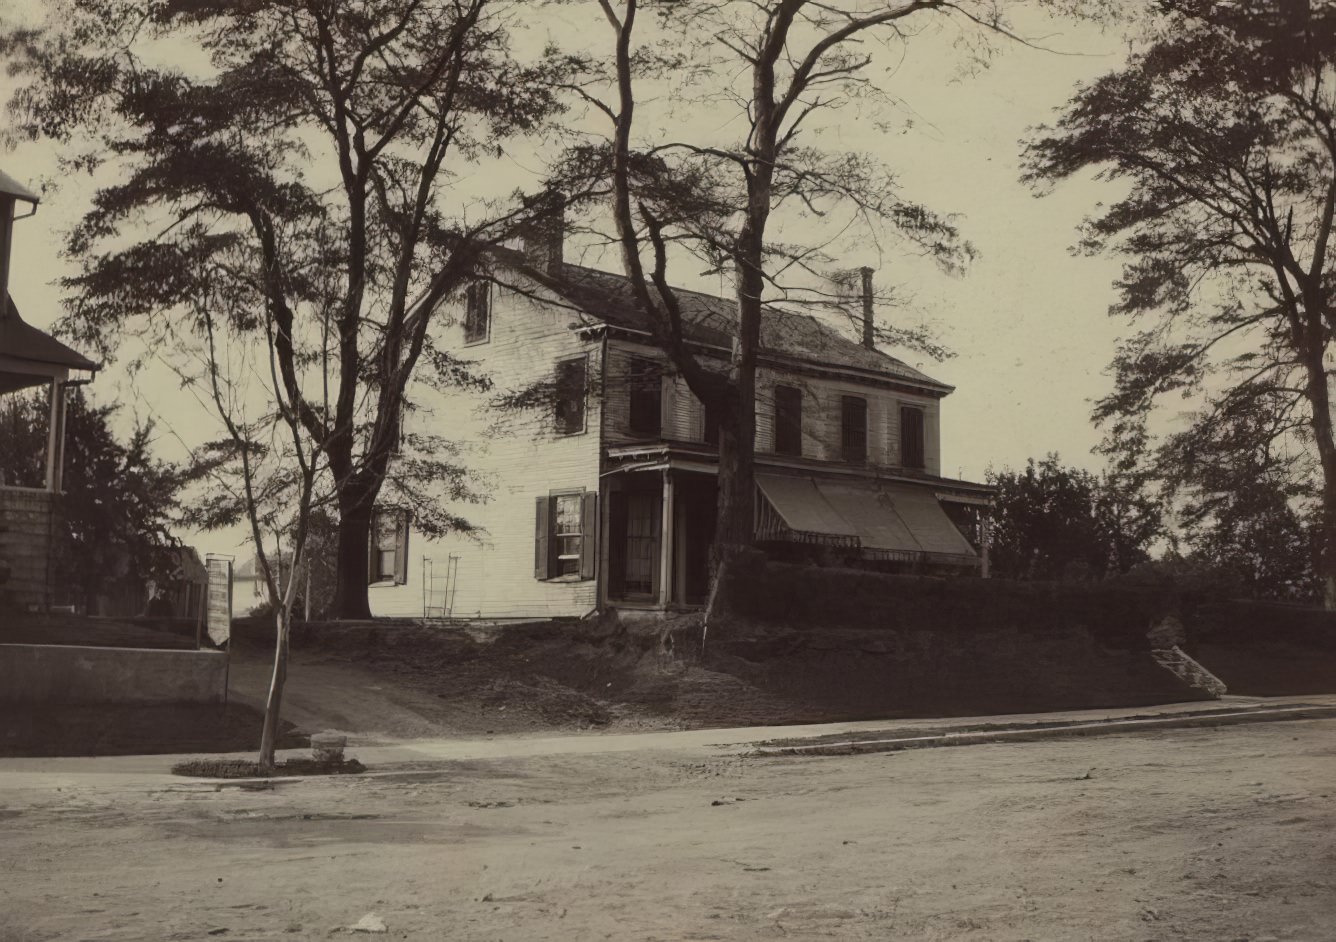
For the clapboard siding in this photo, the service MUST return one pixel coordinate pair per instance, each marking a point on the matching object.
(684, 417)
(520, 456)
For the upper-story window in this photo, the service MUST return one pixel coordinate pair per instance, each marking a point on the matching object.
(569, 395)
(477, 312)
(788, 420)
(709, 432)
(911, 437)
(645, 392)
(853, 429)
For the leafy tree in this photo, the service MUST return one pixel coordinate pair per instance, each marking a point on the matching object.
(119, 501)
(1255, 534)
(776, 68)
(301, 164)
(1222, 127)
(1056, 522)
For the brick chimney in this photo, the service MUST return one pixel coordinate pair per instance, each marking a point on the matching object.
(868, 339)
(543, 238)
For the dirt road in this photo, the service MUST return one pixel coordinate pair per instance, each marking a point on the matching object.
(1217, 834)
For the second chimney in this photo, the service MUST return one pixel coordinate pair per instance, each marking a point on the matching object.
(868, 340)
(544, 238)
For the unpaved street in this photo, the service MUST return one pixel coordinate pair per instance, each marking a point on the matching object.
(1212, 834)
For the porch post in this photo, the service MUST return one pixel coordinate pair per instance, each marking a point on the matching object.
(666, 543)
(985, 537)
(55, 439)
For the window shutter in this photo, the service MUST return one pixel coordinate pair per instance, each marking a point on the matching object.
(542, 527)
(588, 535)
(401, 549)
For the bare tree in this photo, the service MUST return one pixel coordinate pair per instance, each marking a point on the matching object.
(795, 60)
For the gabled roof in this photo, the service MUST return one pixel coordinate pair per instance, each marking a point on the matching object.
(21, 341)
(710, 320)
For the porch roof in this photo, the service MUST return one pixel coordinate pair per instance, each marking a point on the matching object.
(887, 516)
(21, 344)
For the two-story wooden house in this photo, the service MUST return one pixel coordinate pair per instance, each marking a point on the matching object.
(604, 494)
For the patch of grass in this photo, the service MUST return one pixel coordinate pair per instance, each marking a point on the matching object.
(249, 768)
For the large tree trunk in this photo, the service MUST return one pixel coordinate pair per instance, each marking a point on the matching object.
(269, 736)
(351, 565)
(1312, 340)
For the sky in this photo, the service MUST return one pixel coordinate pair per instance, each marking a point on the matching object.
(1028, 321)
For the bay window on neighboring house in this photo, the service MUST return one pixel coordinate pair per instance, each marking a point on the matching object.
(912, 452)
(853, 429)
(389, 547)
(645, 397)
(572, 378)
(565, 524)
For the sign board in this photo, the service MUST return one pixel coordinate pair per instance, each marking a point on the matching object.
(218, 611)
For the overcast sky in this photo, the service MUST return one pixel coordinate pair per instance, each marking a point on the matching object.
(1028, 322)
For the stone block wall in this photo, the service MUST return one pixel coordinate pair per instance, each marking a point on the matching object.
(27, 525)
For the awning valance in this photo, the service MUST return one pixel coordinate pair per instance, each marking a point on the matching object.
(881, 517)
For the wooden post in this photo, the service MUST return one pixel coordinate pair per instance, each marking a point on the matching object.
(666, 543)
(55, 437)
(985, 538)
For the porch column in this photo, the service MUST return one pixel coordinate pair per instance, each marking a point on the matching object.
(985, 537)
(55, 440)
(666, 543)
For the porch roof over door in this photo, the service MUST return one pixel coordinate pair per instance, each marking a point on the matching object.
(885, 516)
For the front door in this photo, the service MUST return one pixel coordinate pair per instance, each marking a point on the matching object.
(634, 544)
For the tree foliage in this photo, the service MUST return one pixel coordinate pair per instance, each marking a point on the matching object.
(1221, 129)
(119, 503)
(305, 168)
(1056, 522)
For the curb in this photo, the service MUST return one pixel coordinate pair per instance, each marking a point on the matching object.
(1044, 731)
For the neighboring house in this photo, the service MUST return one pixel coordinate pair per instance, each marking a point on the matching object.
(604, 494)
(31, 359)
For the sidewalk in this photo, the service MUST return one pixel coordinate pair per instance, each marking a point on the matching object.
(426, 752)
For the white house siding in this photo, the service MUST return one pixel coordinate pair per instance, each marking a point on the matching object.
(821, 418)
(521, 456)
(683, 415)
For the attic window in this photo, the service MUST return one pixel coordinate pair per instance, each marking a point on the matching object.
(477, 312)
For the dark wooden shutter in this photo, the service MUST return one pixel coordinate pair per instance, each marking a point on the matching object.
(542, 528)
(646, 392)
(853, 428)
(911, 437)
(788, 420)
(401, 549)
(588, 535)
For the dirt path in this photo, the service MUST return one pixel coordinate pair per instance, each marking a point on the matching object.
(1193, 835)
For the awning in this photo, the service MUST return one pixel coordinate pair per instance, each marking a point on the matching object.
(887, 517)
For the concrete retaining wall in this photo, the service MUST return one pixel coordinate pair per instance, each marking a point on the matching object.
(48, 673)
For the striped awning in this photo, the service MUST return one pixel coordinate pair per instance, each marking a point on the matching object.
(881, 516)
